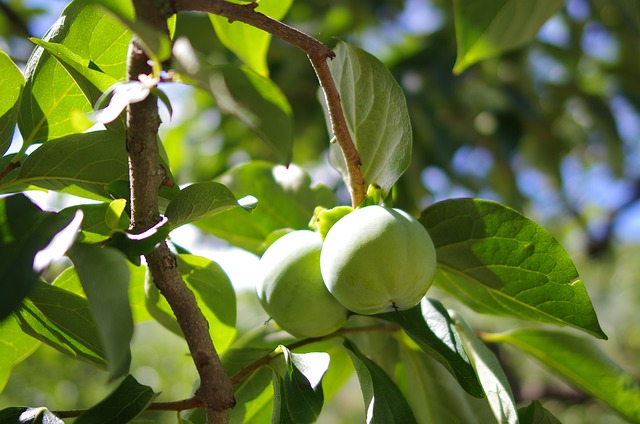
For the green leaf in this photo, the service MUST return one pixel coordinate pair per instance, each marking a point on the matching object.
(488, 28)
(498, 261)
(104, 276)
(214, 293)
(492, 377)
(384, 402)
(11, 86)
(15, 346)
(79, 164)
(377, 116)
(249, 43)
(63, 320)
(239, 91)
(199, 201)
(582, 363)
(429, 325)
(25, 230)
(99, 220)
(254, 399)
(302, 385)
(136, 245)
(535, 413)
(51, 97)
(122, 405)
(22, 415)
(285, 200)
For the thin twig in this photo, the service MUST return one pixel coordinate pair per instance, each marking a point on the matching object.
(318, 54)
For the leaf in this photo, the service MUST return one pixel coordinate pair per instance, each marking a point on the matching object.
(535, 413)
(99, 220)
(122, 405)
(115, 213)
(51, 95)
(25, 230)
(498, 261)
(104, 276)
(199, 201)
(582, 363)
(22, 415)
(301, 385)
(249, 43)
(79, 164)
(62, 320)
(136, 245)
(15, 346)
(11, 86)
(384, 403)
(214, 293)
(492, 377)
(58, 245)
(429, 325)
(239, 91)
(254, 399)
(285, 200)
(122, 95)
(377, 116)
(488, 28)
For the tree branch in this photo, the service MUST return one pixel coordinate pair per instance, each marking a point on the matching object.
(318, 54)
(146, 176)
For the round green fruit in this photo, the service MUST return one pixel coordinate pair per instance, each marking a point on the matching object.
(291, 289)
(378, 259)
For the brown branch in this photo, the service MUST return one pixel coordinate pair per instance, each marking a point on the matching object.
(215, 392)
(318, 54)
(9, 168)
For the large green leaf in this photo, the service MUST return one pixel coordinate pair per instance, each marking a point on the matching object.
(383, 400)
(247, 42)
(377, 116)
(487, 28)
(285, 200)
(241, 92)
(254, 399)
(430, 326)
(498, 261)
(51, 96)
(25, 230)
(63, 320)
(11, 85)
(490, 373)
(214, 293)
(104, 276)
(199, 201)
(122, 405)
(582, 363)
(78, 164)
(15, 346)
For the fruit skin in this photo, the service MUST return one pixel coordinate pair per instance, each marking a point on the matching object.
(378, 259)
(291, 289)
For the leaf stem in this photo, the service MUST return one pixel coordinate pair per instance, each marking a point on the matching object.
(318, 54)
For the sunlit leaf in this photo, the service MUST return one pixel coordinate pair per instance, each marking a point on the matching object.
(11, 85)
(99, 219)
(199, 201)
(15, 346)
(487, 28)
(582, 363)
(498, 261)
(377, 116)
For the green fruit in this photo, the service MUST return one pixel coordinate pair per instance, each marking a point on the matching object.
(378, 259)
(291, 289)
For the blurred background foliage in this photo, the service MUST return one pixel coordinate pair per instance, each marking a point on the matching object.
(551, 129)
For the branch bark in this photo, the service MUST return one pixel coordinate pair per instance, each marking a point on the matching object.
(146, 176)
(318, 54)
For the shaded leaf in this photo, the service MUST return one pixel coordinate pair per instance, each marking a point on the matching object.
(490, 373)
(430, 326)
(25, 230)
(11, 85)
(62, 320)
(104, 276)
(285, 200)
(377, 116)
(384, 403)
(488, 28)
(15, 346)
(249, 43)
(23, 415)
(199, 201)
(239, 91)
(136, 245)
(122, 405)
(498, 261)
(582, 363)
(535, 413)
